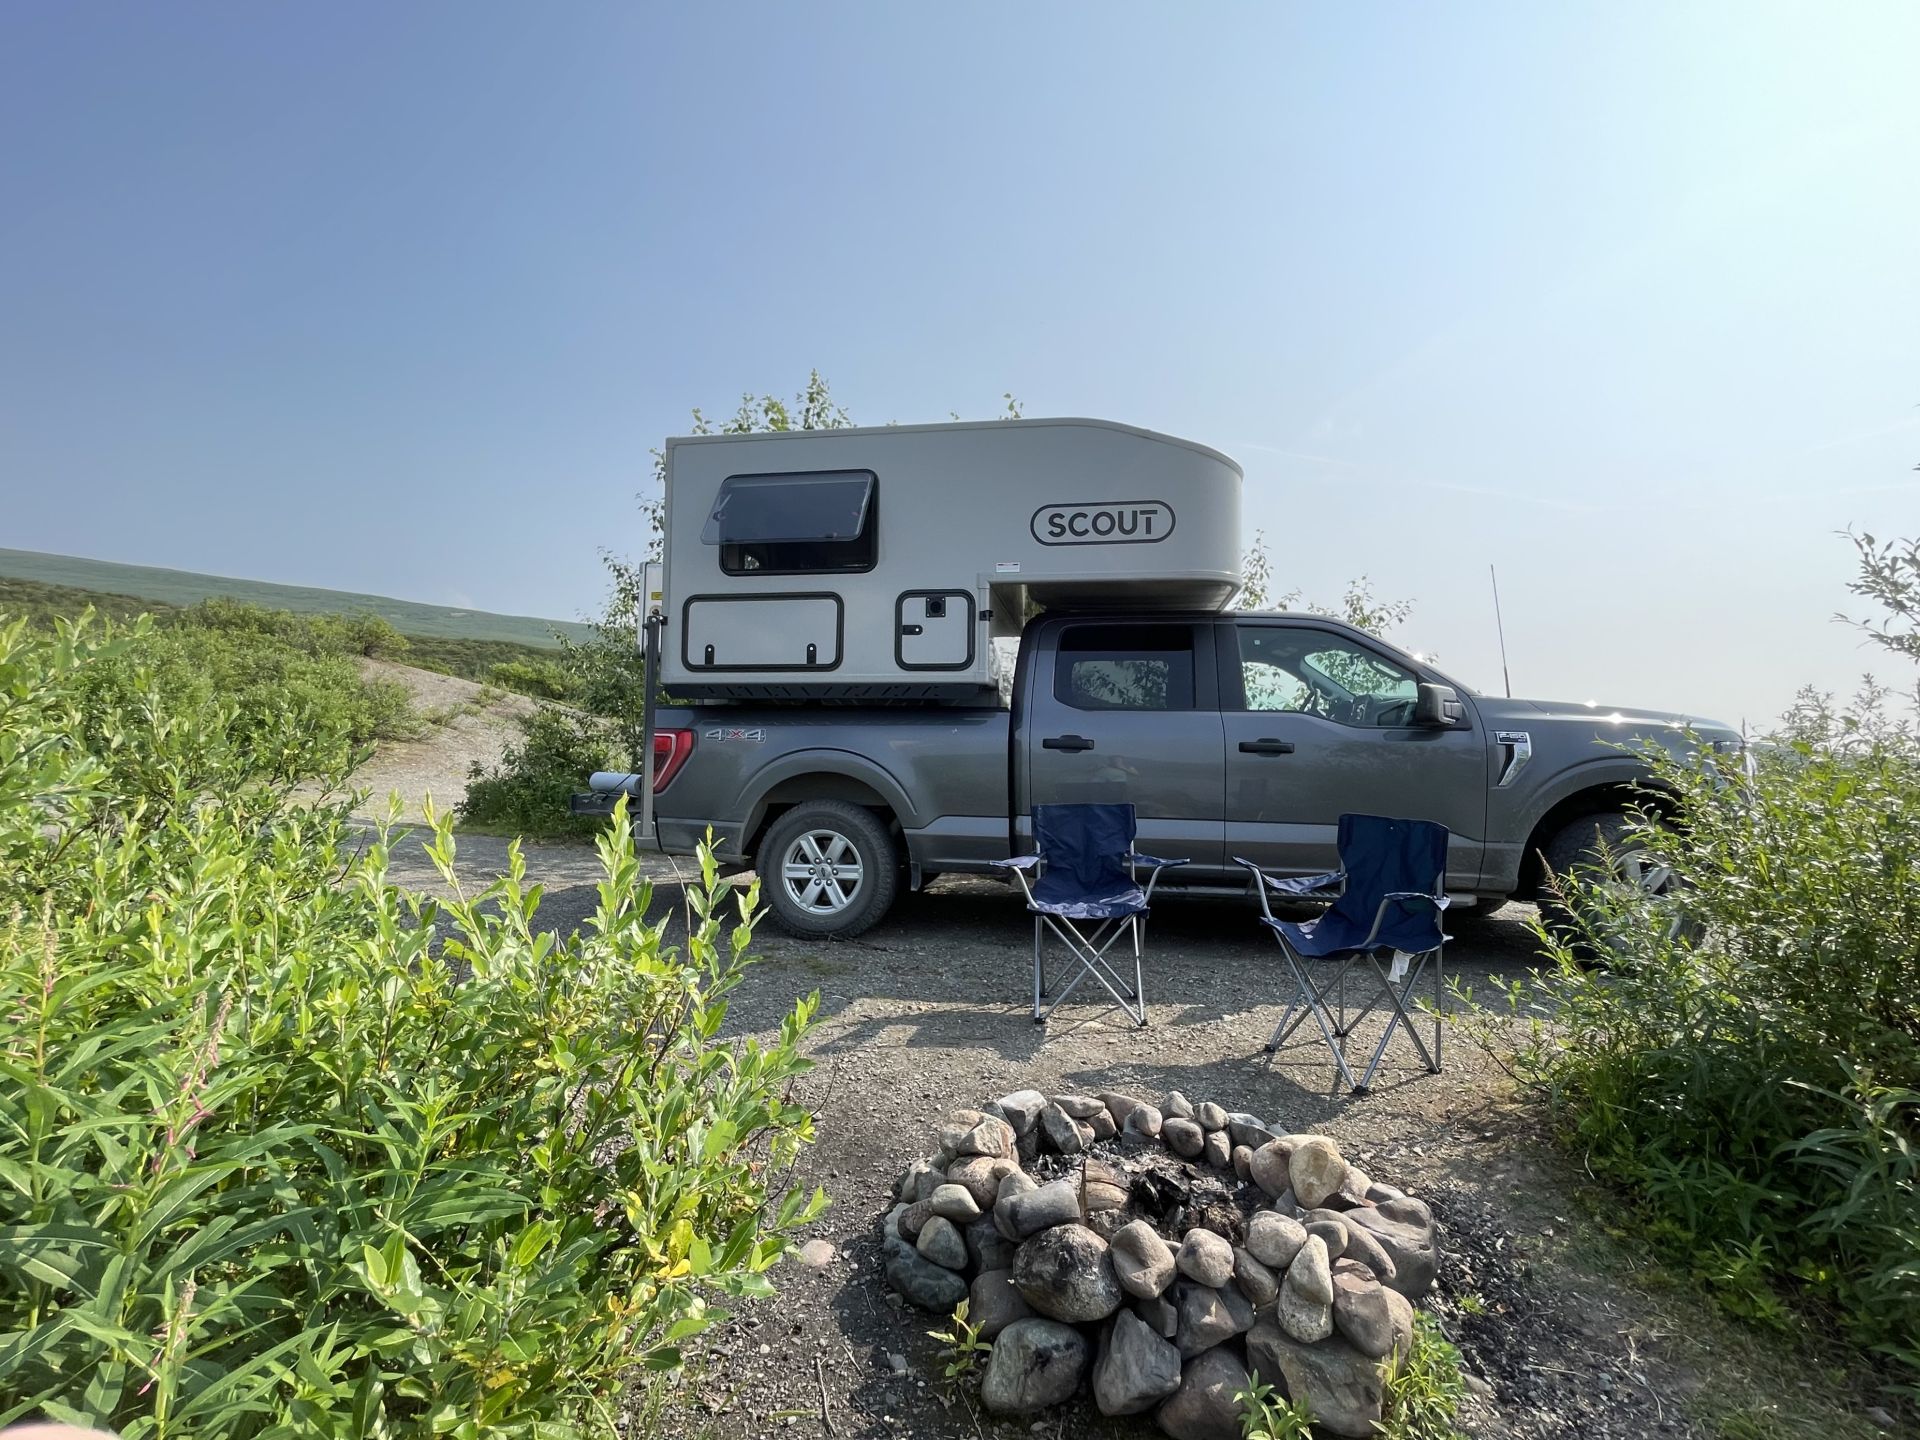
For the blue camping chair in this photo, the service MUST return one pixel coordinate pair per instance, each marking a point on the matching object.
(1388, 894)
(1087, 870)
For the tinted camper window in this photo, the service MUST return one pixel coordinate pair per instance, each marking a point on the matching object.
(794, 524)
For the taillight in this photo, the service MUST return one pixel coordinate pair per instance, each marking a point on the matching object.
(670, 751)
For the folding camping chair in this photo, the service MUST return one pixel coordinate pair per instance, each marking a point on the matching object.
(1388, 894)
(1087, 870)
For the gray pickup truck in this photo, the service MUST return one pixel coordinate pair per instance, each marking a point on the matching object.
(1232, 734)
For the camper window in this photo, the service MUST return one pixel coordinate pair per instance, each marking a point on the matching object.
(794, 524)
(1125, 667)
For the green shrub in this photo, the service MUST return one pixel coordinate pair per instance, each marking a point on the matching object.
(542, 679)
(527, 792)
(274, 1160)
(1748, 1061)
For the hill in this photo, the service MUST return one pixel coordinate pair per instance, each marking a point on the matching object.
(117, 585)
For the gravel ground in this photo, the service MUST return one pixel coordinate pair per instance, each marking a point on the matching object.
(928, 1012)
(466, 723)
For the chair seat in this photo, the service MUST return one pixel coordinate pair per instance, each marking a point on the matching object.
(1099, 905)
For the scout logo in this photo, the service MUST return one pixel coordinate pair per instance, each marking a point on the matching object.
(1103, 522)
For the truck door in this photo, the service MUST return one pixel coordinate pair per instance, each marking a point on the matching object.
(1126, 712)
(1317, 723)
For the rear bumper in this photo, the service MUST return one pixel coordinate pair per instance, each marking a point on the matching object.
(670, 837)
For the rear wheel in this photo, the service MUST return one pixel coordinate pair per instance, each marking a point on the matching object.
(828, 868)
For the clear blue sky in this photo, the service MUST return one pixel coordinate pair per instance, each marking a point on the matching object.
(397, 298)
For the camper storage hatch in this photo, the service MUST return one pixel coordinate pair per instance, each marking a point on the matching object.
(881, 563)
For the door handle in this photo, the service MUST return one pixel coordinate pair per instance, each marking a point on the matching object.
(913, 629)
(1066, 742)
(1266, 747)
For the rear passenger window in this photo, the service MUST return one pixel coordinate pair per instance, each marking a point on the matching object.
(1125, 667)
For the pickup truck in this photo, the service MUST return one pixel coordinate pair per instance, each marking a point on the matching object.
(1233, 734)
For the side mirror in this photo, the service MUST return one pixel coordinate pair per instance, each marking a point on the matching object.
(1438, 706)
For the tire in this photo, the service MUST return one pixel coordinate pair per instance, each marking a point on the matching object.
(809, 856)
(1595, 842)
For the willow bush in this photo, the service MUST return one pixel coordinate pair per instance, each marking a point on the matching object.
(287, 1149)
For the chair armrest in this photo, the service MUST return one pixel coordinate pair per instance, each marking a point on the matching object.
(1304, 884)
(1156, 861)
(1018, 862)
(1439, 902)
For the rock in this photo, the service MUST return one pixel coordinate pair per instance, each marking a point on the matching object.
(1249, 1130)
(1218, 1151)
(1305, 1320)
(1202, 1319)
(1352, 1190)
(1065, 1273)
(980, 1177)
(925, 1284)
(1242, 1157)
(1259, 1284)
(1027, 1148)
(1136, 1368)
(1361, 1246)
(1120, 1106)
(1035, 1364)
(956, 1127)
(955, 1203)
(896, 1362)
(1203, 1408)
(994, 1303)
(1100, 1126)
(1268, 1167)
(1342, 1388)
(914, 1218)
(1206, 1257)
(1316, 1170)
(1405, 1230)
(1176, 1107)
(1103, 1186)
(1210, 1116)
(1332, 1234)
(816, 1254)
(1060, 1131)
(1878, 1414)
(1142, 1261)
(1377, 1192)
(1360, 1313)
(1159, 1316)
(1078, 1106)
(1028, 1213)
(890, 1227)
(1183, 1137)
(1142, 1124)
(910, 1188)
(1285, 1203)
(1017, 1182)
(1022, 1109)
(1311, 1273)
(987, 1248)
(943, 1244)
(1402, 1310)
(1274, 1239)
(990, 1136)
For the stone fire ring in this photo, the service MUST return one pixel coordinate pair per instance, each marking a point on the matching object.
(1159, 1253)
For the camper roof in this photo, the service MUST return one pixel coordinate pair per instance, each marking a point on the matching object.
(1074, 421)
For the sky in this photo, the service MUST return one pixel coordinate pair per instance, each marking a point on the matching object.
(1622, 299)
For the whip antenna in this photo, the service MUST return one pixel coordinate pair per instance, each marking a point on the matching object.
(1500, 629)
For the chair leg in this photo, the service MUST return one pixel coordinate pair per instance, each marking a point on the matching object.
(1139, 981)
(1039, 988)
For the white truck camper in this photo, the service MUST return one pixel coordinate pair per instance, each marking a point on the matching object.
(881, 563)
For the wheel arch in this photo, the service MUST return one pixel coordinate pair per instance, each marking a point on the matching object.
(821, 775)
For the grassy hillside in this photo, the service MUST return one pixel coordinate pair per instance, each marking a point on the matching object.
(510, 664)
(169, 588)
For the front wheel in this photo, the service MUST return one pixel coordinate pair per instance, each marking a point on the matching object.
(828, 868)
(1604, 843)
